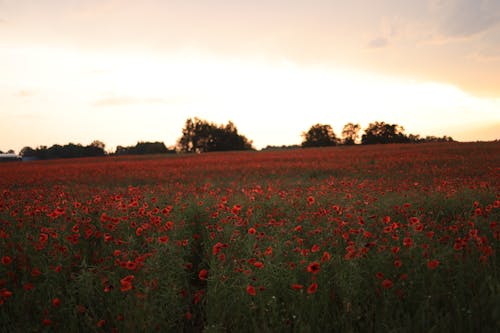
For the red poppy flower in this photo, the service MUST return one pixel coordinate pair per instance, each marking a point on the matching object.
(312, 288)
(297, 286)
(407, 241)
(56, 302)
(236, 209)
(387, 229)
(251, 290)
(387, 284)
(216, 248)
(131, 265)
(163, 239)
(310, 200)
(432, 264)
(313, 268)
(4, 293)
(6, 260)
(258, 264)
(126, 283)
(35, 272)
(166, 210)
(202, 275)
(28, 286)
(252, 231)
(418, 227)
(414, 220)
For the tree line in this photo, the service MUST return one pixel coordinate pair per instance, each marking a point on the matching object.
(200, 136)
(379, 132)
(143, 148)
(70, 150)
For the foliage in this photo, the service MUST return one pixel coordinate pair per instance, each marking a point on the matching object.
(319, 135)
(282, 147)
(350, 133)
(143, 148)
(380, 132)
(70, 150)
(201, 136)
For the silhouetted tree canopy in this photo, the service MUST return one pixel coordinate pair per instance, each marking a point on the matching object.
(142, 148)
(70, 150)
(350, 133)
(319, 135)
(380, 132)
(201, 136)
(282, 147)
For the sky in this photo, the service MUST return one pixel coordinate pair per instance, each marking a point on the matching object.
(123, 71)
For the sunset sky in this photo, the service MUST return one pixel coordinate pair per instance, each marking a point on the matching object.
(123, 71)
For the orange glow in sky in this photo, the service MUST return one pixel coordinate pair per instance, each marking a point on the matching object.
(124, 71)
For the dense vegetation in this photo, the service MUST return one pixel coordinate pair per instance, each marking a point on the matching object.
(144, 148)
(386, 238)
(202, 136)
(379, 132)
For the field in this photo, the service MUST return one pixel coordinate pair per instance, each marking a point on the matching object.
(386, 238)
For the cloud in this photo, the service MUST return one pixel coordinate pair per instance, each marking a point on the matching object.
(465, 18)
(378, 43)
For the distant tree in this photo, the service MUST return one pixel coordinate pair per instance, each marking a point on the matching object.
(188, 141)
(98, 144)
(414, 138)
(350, 133)
(11, 151)
(437, 139)
(319, 135)
(201, 136)
(70, 150)
(143, 148)
(282, 147)
(380, 132)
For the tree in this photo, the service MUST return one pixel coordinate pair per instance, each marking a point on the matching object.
(350, 133)
(143, 148)
(69, 150)
(380, 132)
(319, 135)
(98, 144)
(201, 136)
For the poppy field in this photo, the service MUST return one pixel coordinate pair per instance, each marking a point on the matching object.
(384, 238)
